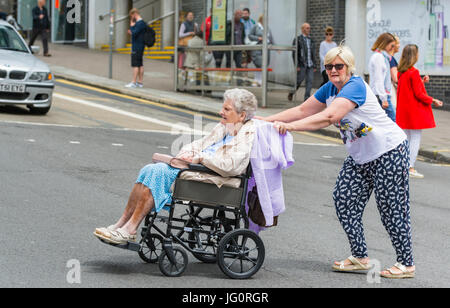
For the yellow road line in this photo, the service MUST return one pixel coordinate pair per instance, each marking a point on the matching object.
(143, 101)
(147, 102)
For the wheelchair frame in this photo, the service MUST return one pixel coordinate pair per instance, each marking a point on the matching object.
(219, 234)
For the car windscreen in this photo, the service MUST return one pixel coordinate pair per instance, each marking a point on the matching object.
(9, 39)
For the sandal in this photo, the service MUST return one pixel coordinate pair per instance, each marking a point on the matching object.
(355, 266)
(105, 231)
(119, 237)
(404, 272)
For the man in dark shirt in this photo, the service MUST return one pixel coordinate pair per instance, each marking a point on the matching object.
(41, 25)
(138, 27)
(306, 61)
(239, 39)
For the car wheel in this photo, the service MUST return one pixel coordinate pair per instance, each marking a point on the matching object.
(39, 111)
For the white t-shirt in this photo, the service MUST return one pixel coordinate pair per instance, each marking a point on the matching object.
(367, 131)
(324, 48)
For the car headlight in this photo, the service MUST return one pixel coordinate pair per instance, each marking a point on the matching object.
(41, 76)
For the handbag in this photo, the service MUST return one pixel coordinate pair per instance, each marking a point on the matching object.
(183, 42)
(170, 160)
(255, 212)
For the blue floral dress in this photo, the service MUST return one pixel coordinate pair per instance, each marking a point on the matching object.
(158, 178)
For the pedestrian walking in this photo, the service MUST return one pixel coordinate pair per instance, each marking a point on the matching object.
(194, 62)
(378, 160)
(394, 71)
(305, 61)
(249, 23)
(414, 106)
(137, 30)
(380, 72)
(325, 46)
(239, 38)
(256, 35)
(206, 27)
(187, 31)
(41, 26)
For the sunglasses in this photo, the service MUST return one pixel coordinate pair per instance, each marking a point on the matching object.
(329, 67)
(329, 34)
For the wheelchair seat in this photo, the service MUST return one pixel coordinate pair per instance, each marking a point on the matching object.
(210, 194)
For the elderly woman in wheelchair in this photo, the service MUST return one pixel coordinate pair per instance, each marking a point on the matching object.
(225, 151)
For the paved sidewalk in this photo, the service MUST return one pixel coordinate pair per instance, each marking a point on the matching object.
(91, 67)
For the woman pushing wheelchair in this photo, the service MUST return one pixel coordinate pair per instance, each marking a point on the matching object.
(226, 151)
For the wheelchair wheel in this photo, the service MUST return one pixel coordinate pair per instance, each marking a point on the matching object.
(151, 248)
(176, 269)
(241, 254)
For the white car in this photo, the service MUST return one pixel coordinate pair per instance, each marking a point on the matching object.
(24, 79)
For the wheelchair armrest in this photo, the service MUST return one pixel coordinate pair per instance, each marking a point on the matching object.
(200, 168)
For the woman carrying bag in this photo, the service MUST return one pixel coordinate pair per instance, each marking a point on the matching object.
(414, 106)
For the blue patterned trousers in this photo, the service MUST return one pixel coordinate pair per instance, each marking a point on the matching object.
(388, 176)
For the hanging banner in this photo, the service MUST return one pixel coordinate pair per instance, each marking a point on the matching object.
(219, 21)
(425, 23)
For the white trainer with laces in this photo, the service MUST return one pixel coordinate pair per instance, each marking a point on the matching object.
(131, 85)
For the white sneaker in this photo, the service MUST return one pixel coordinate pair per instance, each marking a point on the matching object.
(139, 85)
(414, 174)
(131, 85)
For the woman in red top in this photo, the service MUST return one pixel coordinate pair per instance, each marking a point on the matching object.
(414, 111)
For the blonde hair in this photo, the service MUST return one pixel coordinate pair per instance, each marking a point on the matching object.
(133, 11)
(383, 41)
(243, 101)
(261, 19)
(343, 52)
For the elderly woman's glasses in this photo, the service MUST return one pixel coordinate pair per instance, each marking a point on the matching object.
(338, 66)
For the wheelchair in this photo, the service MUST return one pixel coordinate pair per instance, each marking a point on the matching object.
(203, 229)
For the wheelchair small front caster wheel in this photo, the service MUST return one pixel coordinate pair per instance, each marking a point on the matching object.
(173, 269)
(241, 254)
(151, 248)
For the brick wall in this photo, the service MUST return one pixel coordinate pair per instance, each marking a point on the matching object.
(323, 13)
(439, 87)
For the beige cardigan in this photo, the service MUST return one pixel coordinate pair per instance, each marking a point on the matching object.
(230, 160)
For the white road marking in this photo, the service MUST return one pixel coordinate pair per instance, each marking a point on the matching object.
(327, 157)
(117, 144)
(175, 127)
(75, 142)
(318, 144)
(31, 140)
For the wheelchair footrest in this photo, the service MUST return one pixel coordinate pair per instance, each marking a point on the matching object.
(128, 246)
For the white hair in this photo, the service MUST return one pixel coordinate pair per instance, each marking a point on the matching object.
(243, 101)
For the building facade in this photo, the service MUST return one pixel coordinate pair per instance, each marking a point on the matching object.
(358, 22)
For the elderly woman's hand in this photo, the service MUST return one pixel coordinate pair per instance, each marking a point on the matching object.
(282, 127)
(186, 157)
